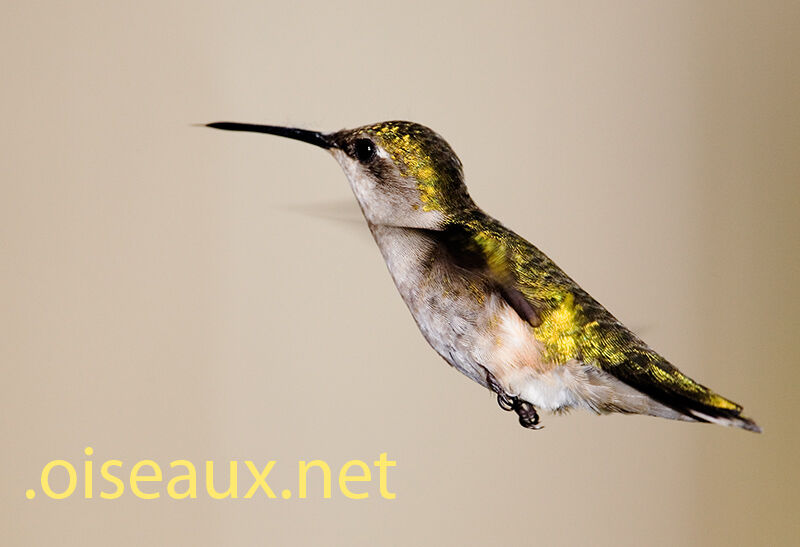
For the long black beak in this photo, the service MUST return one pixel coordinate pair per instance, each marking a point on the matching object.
(312, 137)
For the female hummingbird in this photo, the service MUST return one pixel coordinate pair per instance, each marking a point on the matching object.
(489, 302)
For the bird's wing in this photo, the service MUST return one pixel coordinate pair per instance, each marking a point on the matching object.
(571, 325)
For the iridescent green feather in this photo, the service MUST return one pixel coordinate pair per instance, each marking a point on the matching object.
(571, 324)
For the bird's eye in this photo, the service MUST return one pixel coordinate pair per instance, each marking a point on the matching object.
(365, 150)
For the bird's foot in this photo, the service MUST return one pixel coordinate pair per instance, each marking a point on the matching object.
(505, 400)
(528, 417)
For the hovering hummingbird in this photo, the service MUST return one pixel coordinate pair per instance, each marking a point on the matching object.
(489, 302)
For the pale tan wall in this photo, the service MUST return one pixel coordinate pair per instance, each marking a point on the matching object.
(173, 292)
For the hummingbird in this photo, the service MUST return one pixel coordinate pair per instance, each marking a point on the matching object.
(489, 302)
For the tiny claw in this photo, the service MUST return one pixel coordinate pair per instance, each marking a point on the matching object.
(528, 425)
(505, 402)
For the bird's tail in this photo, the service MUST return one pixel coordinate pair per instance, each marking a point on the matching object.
(658, 379)
(701, 404)
(725, 418)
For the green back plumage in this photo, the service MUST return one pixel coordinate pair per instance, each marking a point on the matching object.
(571, 325)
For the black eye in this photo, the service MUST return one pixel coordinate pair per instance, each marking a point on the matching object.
(365, 150)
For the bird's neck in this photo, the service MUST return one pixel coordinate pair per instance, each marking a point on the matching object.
(411, 252)
(407, 253)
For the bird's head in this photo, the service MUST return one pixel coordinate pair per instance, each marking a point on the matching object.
(402, 173)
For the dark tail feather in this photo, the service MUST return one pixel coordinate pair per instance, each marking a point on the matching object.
(726, 420)
(656, 377)
(713, 408)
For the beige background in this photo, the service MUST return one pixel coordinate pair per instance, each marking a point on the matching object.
(173, 292)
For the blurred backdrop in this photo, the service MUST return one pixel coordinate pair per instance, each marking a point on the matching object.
(172, 292)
